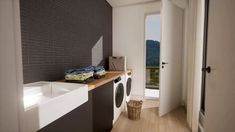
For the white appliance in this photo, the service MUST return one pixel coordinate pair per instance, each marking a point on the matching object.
(128, 85)
(119, 97)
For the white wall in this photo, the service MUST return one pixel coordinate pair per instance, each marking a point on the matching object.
(129, 39)
(190, 53)
(198, 64)
(10, 66)
(194, 29)
(184, 58)
(180, 3)
(183, 4)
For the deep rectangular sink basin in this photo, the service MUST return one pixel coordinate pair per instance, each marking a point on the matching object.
(44, 102)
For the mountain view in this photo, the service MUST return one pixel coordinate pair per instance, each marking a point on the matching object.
(152, 53)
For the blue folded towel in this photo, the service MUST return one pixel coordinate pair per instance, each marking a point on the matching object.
(84, 70)
(98, 68)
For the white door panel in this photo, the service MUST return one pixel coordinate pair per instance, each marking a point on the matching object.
(171, 52)
(220, 83)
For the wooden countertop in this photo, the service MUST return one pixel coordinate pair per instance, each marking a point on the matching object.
(110, 76)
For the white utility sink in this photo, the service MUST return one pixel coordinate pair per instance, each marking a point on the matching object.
(44, 102)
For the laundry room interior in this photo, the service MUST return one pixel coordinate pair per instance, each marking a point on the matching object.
(72, 69)
(117, 65)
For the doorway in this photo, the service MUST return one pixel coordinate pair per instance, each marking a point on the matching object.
(152, 50)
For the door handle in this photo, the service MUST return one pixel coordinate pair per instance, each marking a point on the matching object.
(164, 63)
(206, 69)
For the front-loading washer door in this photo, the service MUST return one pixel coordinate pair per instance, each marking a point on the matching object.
(128, 86)
(119, 95)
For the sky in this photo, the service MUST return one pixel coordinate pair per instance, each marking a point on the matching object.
(153, 27)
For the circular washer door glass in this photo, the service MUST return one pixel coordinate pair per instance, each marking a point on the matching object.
(119, 95)
(128, 87)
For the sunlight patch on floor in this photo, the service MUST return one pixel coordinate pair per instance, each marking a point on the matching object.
(150, 103)
(151, 93)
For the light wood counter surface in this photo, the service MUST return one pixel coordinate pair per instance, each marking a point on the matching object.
(110, 76)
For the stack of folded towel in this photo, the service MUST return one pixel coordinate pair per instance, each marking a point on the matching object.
(99, 71)
(84, 74)
(79, 74)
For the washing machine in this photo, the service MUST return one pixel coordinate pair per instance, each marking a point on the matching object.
(128, 86)
(119, 97)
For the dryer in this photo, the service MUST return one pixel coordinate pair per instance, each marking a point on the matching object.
(119, 97)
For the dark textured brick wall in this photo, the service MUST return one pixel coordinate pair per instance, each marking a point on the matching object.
(59, 34)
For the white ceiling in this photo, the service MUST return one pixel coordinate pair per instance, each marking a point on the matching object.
(117, 3)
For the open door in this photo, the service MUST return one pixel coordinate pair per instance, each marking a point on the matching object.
(152, 39)
(220, 79)
(171, 57)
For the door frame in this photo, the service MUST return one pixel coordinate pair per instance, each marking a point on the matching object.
(144, 50)
(19, 62)
(15, 89)
(196, 12)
